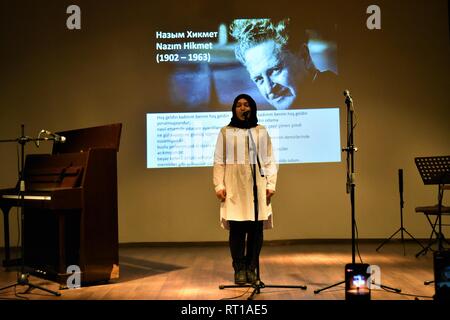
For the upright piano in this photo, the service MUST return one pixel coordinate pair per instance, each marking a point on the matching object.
(70, 207)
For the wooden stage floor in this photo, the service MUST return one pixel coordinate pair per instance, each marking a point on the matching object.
(195, 272)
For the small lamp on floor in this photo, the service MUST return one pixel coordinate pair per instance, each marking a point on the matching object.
(356, 282)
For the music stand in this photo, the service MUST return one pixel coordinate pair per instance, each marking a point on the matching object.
(22, 278)
(401, 229)
(258, 284)
(435, 171)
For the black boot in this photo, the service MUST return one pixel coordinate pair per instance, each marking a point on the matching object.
(240, 274)
(251, 274)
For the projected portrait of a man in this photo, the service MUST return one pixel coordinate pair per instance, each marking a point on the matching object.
(280, 64)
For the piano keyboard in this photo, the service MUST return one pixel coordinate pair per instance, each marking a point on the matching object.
(16, 197)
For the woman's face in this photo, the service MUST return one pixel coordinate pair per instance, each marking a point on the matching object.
(242, 109)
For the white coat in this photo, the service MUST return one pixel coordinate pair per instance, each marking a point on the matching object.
(233, 172)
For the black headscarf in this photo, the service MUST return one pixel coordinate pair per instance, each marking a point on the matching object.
(252, 119)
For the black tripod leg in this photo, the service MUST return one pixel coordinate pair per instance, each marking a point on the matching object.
(257, 289)
(429, 245)
(425, 249)
(234, 286)
(286, 286)
(385, 241)
(333, 285)
(390, 288)
(7, 287)
(33, 286)
(418, 242)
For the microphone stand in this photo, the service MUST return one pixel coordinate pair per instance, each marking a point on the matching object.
(402, 229)
(350, 184)
(254, 159)
(22, 278)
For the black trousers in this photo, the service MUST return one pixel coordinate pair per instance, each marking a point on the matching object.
(246, 239)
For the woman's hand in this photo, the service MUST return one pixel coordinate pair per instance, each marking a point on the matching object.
(221, 195)
(269, 194)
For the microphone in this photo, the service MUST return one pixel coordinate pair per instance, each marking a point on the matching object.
(347, 94)
(348, 99)
(57, 137)
(246, 114)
